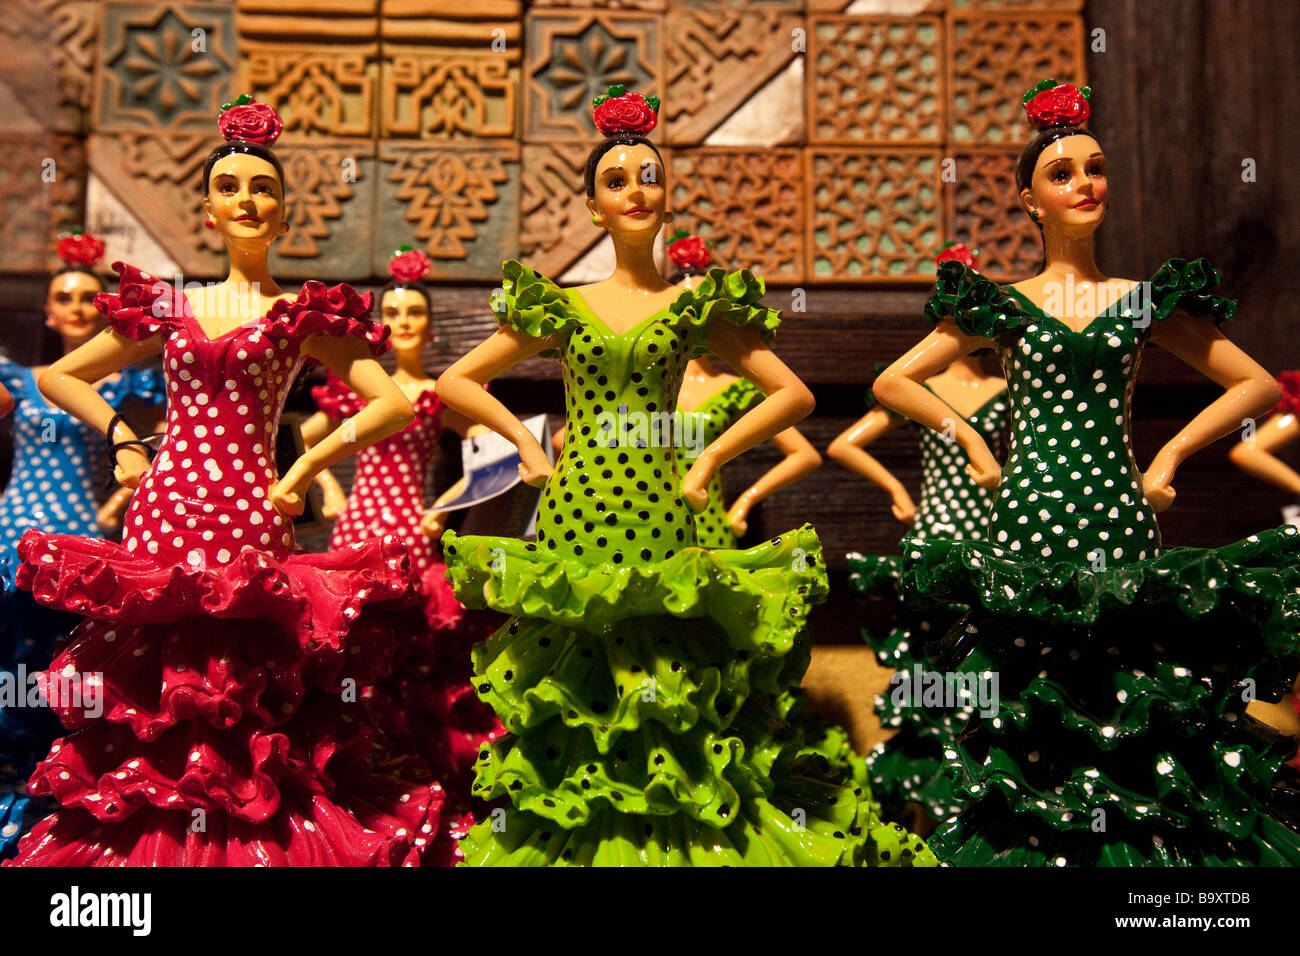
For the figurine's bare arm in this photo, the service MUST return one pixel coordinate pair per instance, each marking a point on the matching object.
(461, 388)
(315, 429)
(69, 384)
(1248, 391)
(387, 412)
(1257, 457)
(848, 449)
(801, 459)
(788, 402)
(900, 387)
(6, 402)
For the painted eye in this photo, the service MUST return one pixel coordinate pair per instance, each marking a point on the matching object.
(1060, 175)
(615, 183)
(1096, 169)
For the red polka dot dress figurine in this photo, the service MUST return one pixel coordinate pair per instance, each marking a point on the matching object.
(228, 729)
(428, 705)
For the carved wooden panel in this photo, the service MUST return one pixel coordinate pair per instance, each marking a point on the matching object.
(876, 80)
(42, 191)
(555, 226)
(164, 67)
(330, 208)
(158, 179)
(716, 59)
(981, 5)
(48, 62)
(747, 203)
(650, 5)
(455, 93)
(321, 91)
(984, 211)
(573, 57)
(459, 202)
(874, 214)
(995, 59)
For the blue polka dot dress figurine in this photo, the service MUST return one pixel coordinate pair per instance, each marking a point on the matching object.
(52, 487)
(1118, 673)
(907, 769)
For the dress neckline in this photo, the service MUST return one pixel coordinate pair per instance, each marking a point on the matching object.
(242, 327)
(710, 398)
(1106, 313)
(1000, 393)
(577, 299)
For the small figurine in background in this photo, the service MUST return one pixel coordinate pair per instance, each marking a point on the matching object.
(1256, 456)
(1115, 730)
(907, 768)
(224, 666)
(427, 705)
(638, 673)
(52, 487)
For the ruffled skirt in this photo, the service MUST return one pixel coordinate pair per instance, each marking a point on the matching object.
(647, 713)
(1120, 735)
(224, 723)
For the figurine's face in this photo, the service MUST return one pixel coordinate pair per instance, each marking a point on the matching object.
(406, 313)
(246, 199)
(70, 305)
(1069, 190)
(631, 192)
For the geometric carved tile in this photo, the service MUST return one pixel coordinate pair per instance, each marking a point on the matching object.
(648, 5)
(876, 80)
(450, 93)
(716, 60)
(874, 214)
(747, 204)
(573, 57)
(995, 59)
(49, 59)
(458, 201)
(984, 211)
(555, 227)
(42, 193)
(157, 177)
(330, 209)
(451, 69)
(320, 90)
(318, 69)
(994, 5)
(164, 67)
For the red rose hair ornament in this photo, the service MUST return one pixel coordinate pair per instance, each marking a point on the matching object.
(957, 252)
(80, 250)
(250, 121)
(689, 252)
(1057, 104)
(408, 265)
(618, 111)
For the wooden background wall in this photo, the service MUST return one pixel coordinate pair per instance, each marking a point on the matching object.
(1185, 91)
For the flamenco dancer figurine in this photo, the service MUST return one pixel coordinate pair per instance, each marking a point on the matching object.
(908, 767)
(228, 735)
(51, 487)
(637, 672)
(427, 706)
(1257, 457)
(1119, 736)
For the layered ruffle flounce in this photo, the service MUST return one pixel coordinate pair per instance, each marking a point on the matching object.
(228, 728)
(647, 708)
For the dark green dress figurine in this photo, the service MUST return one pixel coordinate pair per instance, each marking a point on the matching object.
(1122, 671)
(638, 673)
(908, 767)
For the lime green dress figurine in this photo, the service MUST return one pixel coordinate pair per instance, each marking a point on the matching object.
(638, 673)
(1122, 671)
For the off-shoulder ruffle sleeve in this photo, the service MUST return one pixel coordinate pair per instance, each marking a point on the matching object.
(721, 295)
(1179, 284)
(978, 305)
(332, 310)
(337, 400)
(739, 397)
(530, 303)
(143, 305)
